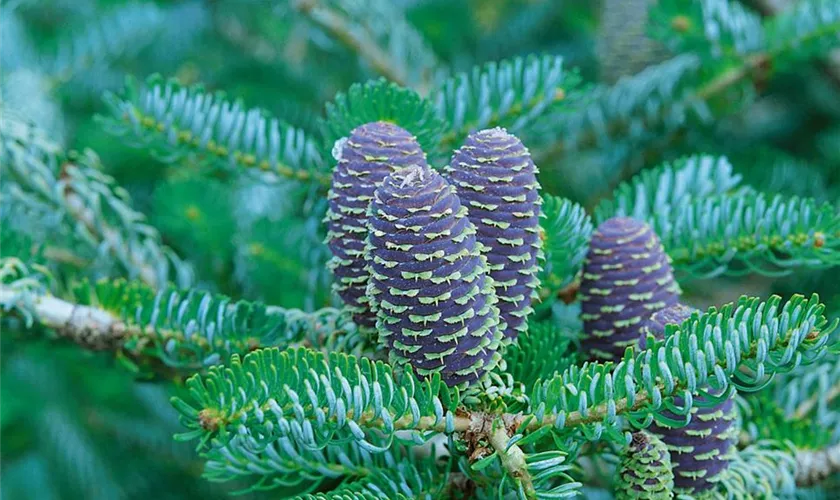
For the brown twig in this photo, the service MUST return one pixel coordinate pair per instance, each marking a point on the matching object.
(769, 8)
(814, 466)
(806, 406)
(512, 458)
(714, 87)
(64, 256)
(85, 214)
(340, 28)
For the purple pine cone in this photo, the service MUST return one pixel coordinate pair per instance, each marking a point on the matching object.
(702, 450)
(372, 151)
(626, 278)
(496, 180)
(434, 301)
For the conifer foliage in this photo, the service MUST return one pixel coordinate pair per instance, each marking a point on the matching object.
(462, 249)
(701, 450)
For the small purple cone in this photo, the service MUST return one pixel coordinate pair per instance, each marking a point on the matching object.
(434, 301)
(702, 450)
(372, 151)
(626, 278)
(497, 182)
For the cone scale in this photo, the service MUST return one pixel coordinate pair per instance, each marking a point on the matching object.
(371, 152)
(626, 278)
(496, 181)
(434, 300)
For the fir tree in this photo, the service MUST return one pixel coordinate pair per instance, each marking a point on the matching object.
(426, 249)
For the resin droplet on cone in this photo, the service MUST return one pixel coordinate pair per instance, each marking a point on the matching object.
(702, 450)
(626, 278)
(645, 470)
(372, 151)
(434, 300)
(496, 180)
(671, 315)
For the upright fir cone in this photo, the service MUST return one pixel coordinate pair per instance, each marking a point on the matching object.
(626, 278)
(434, 300)
(497, 182)
(645, 470)
(372, 151)
(702, 450)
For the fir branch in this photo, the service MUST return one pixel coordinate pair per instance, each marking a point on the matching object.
(732, 232)
(380, 100)
(744, 341)
(747, 342)
(762, 419)
(638, 108)
(185, 330)
(659, 189)
(123, 31)
(566, 230)
(538, 475)
(663, 95)
(772, 8)
(660, 99)
(813, 467)
(175, 122)
(88, 326)
(18, 284)
(813, 394)
(808, 29)
(513, 460)
(344, 397)
(48, 182)
(350, 407)
(285, 463)
(824, 398)
(379, 34)
(709, 224)
(762, 470)
(719, 28)
(340, 398)
(751, 230)
(633, 117)
(511, 93)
